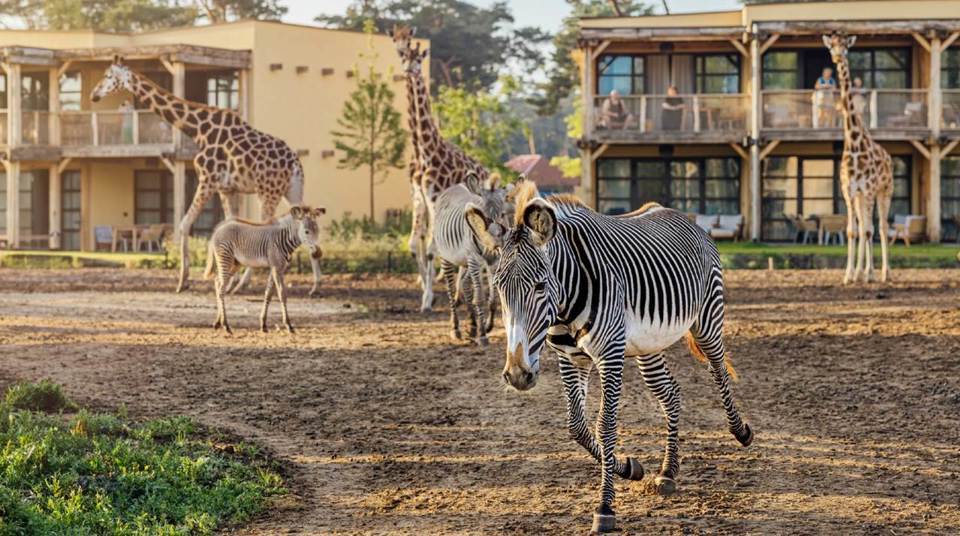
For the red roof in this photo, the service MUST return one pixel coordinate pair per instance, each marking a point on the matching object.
(537, 168)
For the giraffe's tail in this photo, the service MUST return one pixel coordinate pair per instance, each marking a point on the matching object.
(208, 271)
(701, 356)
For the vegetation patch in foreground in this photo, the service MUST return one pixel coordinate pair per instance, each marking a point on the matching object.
(96, 474)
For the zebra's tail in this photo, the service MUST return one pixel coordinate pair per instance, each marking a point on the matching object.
(208, 271)
(698, 353)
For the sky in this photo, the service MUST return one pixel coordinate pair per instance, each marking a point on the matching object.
(546, 14)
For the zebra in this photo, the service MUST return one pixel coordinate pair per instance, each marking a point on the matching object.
(235, 243)
(597, 289)
(456, 247)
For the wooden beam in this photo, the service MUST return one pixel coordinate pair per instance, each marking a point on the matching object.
(769, 149)
(599, 50)
(920, 148)
(769, 43)
(740, 150)
(62, 70)
(63, 164)
(166, 162)
(949, 41)
(6, 67)
(599, 152)
(948, 148)
(921, 40)
(740, 48)
(167, 64)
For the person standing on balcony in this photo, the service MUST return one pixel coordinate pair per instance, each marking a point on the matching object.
(126, 114)
(859, 95)
(673, 109)
(613, 113)
(824, 102)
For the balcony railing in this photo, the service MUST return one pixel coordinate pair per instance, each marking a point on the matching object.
(3, 126)
(899, 109)
(663, 114)
(113, 128)
(950, 115)
(35, 127)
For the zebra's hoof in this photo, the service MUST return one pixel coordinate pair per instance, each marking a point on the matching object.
(227, 329)
(290, 329)
(313, 292)
(455, 334)
(746, 436)
(483, 341)
(666, 486)
(603, 523)
(634, 469)
(263, 328)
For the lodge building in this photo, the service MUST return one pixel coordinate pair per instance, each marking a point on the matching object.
(747, 133)
(72, 168)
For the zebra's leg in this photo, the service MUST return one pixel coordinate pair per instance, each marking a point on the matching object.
(465, 296)
(709, 340)
(204, 191)
(266, 304)
(574, 373)
(277, 274)
(491, 298)
(449, 272)
(222, 278)
(658, 379)
(218, 291)
(610, 367)
(475, 273)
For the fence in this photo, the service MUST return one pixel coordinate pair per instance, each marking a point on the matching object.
(113, 128)
(819, 109)
(654, 114)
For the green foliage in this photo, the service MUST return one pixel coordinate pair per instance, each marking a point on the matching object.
(349, 228)
(42, 396)
(469, 44)
(480, 123)
(369, 131)
(571, 166)
(110, 15)
(564, 75)
(94, 474)
(227, 10)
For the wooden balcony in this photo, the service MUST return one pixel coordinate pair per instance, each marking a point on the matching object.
(699, 118)
(139, 133)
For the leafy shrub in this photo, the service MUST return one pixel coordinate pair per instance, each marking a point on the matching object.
(95, 474)
(41, 396)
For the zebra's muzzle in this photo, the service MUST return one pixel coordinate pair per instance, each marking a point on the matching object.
(516, 372)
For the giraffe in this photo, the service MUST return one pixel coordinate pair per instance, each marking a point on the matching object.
(234, 157)
(866, 175)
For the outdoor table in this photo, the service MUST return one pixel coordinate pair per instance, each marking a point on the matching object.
(120, 230)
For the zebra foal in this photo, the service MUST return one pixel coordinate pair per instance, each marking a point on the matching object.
(457, 247)
(235, 243)
(597, 289)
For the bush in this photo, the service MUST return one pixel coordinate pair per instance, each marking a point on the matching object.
(95, 474)
(43, 396)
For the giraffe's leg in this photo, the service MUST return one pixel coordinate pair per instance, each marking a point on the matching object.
(851, 239)
(575, 369)
(449, 272)
(475, 274)
(883, 212)
(266, 304)
(277, 274)
(868, 238)
(229, 203)
(858, 202)
(196, 207)
(658, 379)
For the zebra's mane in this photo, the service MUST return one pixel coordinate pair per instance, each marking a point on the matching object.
(284, 219)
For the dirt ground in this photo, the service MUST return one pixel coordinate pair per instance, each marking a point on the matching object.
(384, 426)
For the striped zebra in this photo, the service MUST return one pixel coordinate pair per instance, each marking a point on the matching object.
(235, 243)
(597, 289)
(457, 247)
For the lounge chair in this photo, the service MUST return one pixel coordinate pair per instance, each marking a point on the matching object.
(910, 228)
(728, 227)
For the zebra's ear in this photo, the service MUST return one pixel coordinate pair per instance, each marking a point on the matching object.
(851, 40)
(296, 212)
(540, 217)
(479, 223)
(473, 183)
(319, 211)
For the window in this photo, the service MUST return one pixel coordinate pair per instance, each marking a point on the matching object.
(882, 68)
(802, 186)
(35, 91)
(3, 91)
(718, 73)
(34, 206)
(949, 70)
(622, 73)
(223, 91)
(701, 185)
(71, 92)
(154, 201)
(781, 70)
(950, 195)
(70, 211)
(3, 202)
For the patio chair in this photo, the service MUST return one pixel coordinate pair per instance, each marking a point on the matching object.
(729, 227)
(804, 229)
(832, 225)
(706, 222)
(152, 235)
(912, 116)
(103, 236)
(909, 228)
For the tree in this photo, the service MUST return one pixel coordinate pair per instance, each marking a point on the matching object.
(564, 75)
(570, 165)
(481, 123)
(109, 15)
(469, 44)
(370, 134)
(226, 10)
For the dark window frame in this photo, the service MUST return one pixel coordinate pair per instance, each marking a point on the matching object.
(166, 192)
(950, 71)
(78, 93)
(64, 211)
(700, 74)
(702, 178)
(632, 76)
(801, 75)
(231, 89)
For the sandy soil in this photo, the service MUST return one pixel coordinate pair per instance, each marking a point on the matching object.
(384, 426)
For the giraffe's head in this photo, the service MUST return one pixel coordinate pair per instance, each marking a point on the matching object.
(839, 45)
(308, 230)
(528, 288)
(413, 59)
(402, 37)
(117, 77)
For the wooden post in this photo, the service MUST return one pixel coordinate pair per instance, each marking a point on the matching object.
(245, 94)
(643, 114)
(179, 193)
(588, 97)
(14, 107)
(13, 203)
(755, 113)
(934, 100)
(135, 127)
(54, 107)
(933, 193)
(56, 195)
(696, 113)
(94, 128)
(179, 90)
(873, 109)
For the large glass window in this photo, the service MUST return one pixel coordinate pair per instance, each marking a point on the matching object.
(622, 73)
(3, 202)
(154, 201)
(223, 90)
(781, 70)
(70, 211)
(34, 206)
(949, 70)
(950, 196)
(700, 185)
(35, 91)
(810, 186)
(71, 92)
(718, 73)
(3, 92)
(883, 68)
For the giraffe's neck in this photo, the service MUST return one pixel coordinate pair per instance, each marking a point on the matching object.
(177, 111)
(852, 119)
(423, 117)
